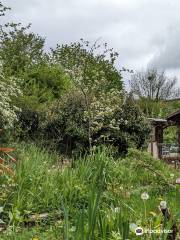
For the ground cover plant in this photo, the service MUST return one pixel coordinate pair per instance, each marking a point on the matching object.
(98, 197)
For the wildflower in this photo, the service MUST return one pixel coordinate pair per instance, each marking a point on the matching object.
(117, 209)
(163, 205)
(144, 196)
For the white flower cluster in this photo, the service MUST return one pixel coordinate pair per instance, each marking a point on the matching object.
(103, 107)
(8, 89)
(102, 104)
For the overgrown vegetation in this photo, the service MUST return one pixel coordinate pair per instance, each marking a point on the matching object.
(97, 198)
(79, 140)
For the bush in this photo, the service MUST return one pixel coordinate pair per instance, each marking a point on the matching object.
(121, 126)
(65, 124)
(42, 84)
(9, 90)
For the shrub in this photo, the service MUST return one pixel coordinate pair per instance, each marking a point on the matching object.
(9, 90)
(65, 124)
(112, 123)
(42, 85)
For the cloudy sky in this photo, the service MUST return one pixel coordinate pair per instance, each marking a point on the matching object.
(144, 32)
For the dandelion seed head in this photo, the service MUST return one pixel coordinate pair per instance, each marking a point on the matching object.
(163, 204)
(144, 196)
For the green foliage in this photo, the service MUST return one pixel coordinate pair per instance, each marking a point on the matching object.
(65, 125)
(46, 82)
(73, 97)
(171, 106)
(170, 135)
(158, 109)
(89, 63)
(151, 108)
(19, 49)
(128, 128)
(98, 198)
(84, 106)
(42, 84)
(92, 70)
(112, 123)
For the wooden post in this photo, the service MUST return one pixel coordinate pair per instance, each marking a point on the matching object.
(178, 143)
(159, 139)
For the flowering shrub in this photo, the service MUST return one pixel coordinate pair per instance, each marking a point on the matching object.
(111, 122)
(104, 118)
(9, 90)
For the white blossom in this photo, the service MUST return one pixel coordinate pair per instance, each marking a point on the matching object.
(163, 204)
(8, 90)
(145, 196)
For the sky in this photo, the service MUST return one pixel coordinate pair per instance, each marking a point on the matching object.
(145, 33)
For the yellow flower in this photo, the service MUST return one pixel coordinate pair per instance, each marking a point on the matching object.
(35, 238)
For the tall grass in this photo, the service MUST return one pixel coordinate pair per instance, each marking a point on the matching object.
(98, 198)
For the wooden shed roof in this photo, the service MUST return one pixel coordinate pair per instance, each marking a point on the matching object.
(171, 119)
(158, 122)
(174, 117)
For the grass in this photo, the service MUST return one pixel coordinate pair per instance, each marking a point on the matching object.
(98, 198)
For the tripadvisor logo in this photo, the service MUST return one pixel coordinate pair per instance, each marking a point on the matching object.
(139, 231)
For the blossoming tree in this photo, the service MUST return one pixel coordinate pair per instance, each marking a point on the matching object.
(9, 90)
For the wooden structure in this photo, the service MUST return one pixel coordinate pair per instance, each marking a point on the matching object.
(155, 146)
(156, 137)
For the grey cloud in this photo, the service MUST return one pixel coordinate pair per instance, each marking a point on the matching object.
(167, 55)
(143, 32)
